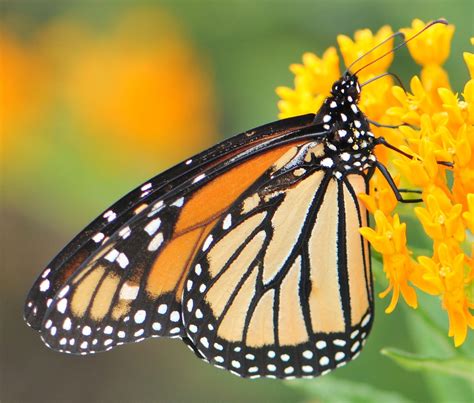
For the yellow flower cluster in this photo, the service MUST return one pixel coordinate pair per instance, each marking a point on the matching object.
(442, 130)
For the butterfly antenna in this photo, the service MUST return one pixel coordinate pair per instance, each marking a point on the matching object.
(388, 73)
(394, 35)
(440, 21)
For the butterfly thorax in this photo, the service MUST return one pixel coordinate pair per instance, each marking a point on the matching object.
(349, 144)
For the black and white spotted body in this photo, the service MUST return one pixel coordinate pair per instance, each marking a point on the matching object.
(348, 148)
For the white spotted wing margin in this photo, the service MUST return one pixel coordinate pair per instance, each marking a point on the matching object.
(90, 240)
(106, 302)
(283, 287)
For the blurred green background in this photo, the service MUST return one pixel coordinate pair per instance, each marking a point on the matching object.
(98, 96)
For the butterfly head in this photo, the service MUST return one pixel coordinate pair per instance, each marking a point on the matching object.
(346, 89)
(348, 141)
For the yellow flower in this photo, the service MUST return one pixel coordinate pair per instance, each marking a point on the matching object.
(412, 106)
(313, 81)
(444, 276)
(421, 171)
(442, 134)
(431, 47)
(469, 59)
(380, 197)
(389, 239)
(364, 41)
(441, 219)
(469, 214)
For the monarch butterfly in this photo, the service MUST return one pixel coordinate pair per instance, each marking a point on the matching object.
(249, 252)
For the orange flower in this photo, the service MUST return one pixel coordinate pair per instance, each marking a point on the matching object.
(445, 276)
(389, 239)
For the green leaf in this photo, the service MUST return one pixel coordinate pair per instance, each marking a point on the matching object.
(334, 390)
(456, 366)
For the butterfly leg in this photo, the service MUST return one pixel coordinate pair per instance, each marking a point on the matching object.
(393, 186)
(410, 191)
(377, 124)
(382, 141)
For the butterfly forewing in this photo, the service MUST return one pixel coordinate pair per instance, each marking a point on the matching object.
(269, 292)
(89, 241)
(130, 288)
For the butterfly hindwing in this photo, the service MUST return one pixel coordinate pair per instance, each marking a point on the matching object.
(282, 287)
(90, 240)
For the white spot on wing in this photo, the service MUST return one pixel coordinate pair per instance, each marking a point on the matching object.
(227, 222)
(324, 360)
(339, 356)
(158, 206)
(44, 286)
(308, 354)
(175, 316)
(199, 178)
(152, 226)
(122, 260)
(125, 232)
(179, 202)
(67, 324)
(139, 316)
(327, 162)
(198, 269)
(155, 242)
(98, 237)
(110, 216)
(355, 346)
(321, 344)
(162, 308)
(129, 292)
(62, 305)
(204, 342)
(207, 243)
(86, 330)
(366, 320)
(112, 255)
